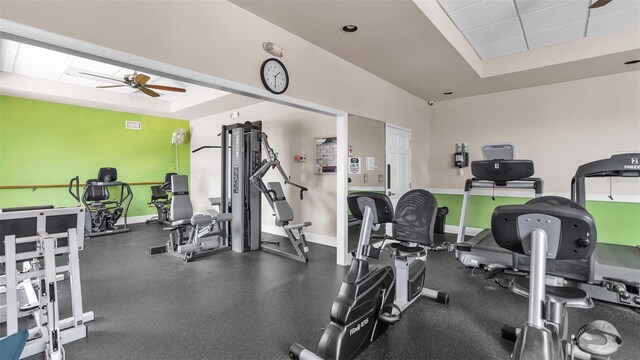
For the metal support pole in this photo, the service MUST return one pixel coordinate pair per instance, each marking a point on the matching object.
(537, 279)
(463, 217)
(12, 295)
(224, 199)
(365, 232)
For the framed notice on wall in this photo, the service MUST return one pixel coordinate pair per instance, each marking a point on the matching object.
(326, 155)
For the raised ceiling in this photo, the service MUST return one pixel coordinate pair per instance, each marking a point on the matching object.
(499, 28)
(33, 61)
(38, 73)
(399, 43)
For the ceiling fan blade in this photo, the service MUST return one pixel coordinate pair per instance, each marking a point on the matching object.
(109, 86)
(599, 3)
(102, 77)
(147, 91)
(167, 88)
(141, 79)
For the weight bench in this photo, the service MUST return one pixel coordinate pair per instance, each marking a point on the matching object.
(32, 239)
(284, 215)
(205, 235)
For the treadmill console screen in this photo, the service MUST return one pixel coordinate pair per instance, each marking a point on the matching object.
(502, 170)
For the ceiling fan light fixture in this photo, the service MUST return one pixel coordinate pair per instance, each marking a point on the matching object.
(631, 62)
(350, 28)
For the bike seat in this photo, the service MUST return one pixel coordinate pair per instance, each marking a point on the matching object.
(181, 222)
(402, 251)
(571, 297)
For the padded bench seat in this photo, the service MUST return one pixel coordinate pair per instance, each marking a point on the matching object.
(402, 251)
(297, 226)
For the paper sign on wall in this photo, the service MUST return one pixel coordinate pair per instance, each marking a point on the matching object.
(354, 165)
(371, 163)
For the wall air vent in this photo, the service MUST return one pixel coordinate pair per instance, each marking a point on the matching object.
(133, 125)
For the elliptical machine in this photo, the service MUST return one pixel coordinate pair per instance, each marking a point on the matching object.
(370, 300)
(103, 210)
(563, 232)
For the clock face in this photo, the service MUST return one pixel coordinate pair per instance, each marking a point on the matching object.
(274, 76)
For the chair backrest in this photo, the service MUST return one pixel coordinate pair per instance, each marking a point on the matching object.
(281, 207)
(107, 174)
(158, 193)
(383, 208)
(415, 217)
(570, 229)
(574, 238)
(166, 186)
(95, 192)
(580, 269)
(181, 208)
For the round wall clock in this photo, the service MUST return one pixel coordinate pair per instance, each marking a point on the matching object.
(274, 76)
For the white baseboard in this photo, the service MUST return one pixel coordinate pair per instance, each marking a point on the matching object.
(453, 229)
(135, 219)
(311, 237)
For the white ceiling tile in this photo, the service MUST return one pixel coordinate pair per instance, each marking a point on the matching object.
(502, 48)
(8, 52)
(70, 79)
(527, 6)
(43, 63)
(614, 6)
(493, 33)
(92, 75)
(560, 15)
(482, 13)
(122, 72)
(451, 5)
(95, 66)
(557, 35)
(614, 21)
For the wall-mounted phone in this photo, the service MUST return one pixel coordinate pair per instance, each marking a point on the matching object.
(461, 157)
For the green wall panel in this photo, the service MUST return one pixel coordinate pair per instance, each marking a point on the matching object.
(49, 143)
(617, 222)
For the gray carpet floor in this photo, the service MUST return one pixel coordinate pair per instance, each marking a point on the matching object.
(255, 305)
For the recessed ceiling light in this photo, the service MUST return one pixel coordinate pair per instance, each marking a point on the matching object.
(448, 93)
(350, 28)
(630, 62)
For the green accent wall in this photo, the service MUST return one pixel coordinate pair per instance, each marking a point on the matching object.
(49, 143)
(616, 222)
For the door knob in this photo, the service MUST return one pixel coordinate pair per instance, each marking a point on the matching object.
(391, 194)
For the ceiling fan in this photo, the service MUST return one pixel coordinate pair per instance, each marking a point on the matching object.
(599, 3)
(136, 81)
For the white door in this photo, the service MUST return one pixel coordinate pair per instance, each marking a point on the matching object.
(398, 156)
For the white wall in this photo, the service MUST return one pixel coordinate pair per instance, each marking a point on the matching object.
(559, 127)
(290, 131)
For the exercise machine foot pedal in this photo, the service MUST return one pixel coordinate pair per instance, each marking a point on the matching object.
(598, 338)
(387, 316)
